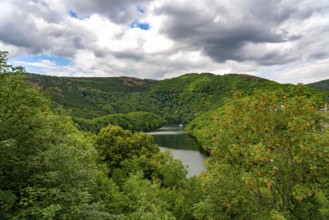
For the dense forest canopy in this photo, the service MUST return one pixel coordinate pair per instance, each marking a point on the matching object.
(267, 153)
(322, 85)
(51, 170)
(177, 100)
(93, 102)
(268, 146)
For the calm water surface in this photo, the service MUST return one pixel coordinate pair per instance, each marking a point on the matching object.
(182, 145)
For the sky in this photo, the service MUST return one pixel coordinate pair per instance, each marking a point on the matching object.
(286, 41)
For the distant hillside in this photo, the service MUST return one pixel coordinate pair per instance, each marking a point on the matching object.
(322, 85)
(184, 97)
(93, 97)
(178, 99)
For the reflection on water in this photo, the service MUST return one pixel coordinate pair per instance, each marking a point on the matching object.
(182, 145)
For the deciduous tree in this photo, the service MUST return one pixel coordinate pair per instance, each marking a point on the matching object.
(269, 157)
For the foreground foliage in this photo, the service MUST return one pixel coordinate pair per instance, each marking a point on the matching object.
(47, 166)
(269, 159)
(50, 170)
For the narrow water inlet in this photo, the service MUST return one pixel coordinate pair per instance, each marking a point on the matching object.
(183, 147)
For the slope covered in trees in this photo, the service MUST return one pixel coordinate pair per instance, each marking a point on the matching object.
(177, 100)
(322, 85)
(94, 97)
(203, 125)
(133, 121)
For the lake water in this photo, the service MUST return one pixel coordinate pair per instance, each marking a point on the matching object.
(182, 145)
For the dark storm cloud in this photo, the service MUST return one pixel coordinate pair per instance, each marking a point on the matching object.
(222, 33)
(119, 11)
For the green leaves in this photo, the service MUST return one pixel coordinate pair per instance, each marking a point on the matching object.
(48, 168)
(5, 67)
(272, 144)
(177, 100)
(133, 121)
(116, 145)
(147, 199)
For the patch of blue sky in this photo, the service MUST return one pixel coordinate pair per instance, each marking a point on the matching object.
(140, 9)
(36, 64)
(61, 61)
(28, 68)
(143, 26)
(73, 14)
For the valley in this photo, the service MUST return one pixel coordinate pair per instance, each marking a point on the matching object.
(74, 148)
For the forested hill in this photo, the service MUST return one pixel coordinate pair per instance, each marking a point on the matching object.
(322, 85)
(178, 99)
(93, 97)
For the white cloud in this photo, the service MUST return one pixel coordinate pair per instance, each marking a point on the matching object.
(303, 72)
(284, 40)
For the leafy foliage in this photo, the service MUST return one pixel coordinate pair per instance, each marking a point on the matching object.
(177, 100)
(269, 157)
(322, 85)
(94, 97)
(133, 121)
(202, 126)
(116, 145)
(50, 170)
(47, 168)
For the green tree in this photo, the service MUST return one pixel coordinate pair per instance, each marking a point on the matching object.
(269, 159)
(147, 200)
(48, 168)
(116, 145)
(133, 121)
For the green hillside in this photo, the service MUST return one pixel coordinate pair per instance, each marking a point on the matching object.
(322, 85)
(94, 97)
(178, 100)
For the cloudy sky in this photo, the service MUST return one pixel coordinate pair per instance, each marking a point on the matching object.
(286, 41)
